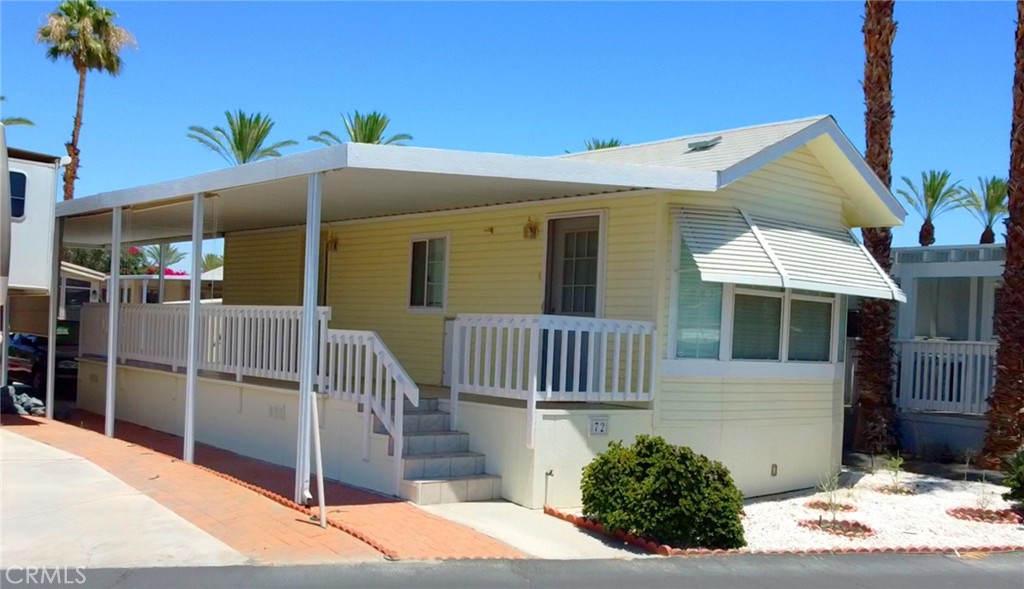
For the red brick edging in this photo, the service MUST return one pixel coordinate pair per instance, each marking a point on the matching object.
(665, 550)
(994, 516)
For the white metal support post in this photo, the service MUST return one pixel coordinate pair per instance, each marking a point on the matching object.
(56, 294)
(162, 271)
(194, 327)
(308, 351)
(113, 307)
(6, 334)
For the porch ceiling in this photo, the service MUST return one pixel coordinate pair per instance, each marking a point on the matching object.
(360, 181)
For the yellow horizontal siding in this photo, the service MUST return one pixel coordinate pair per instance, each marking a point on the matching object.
(751, 425)
(492, 269)
(263, 268)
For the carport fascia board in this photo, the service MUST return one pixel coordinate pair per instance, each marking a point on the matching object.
(398, 159)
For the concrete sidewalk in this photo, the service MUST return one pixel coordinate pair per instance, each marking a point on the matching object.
(62, 510)
(534, 532)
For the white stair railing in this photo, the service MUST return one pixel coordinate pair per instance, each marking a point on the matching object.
(552, 358)
(945, 375)
(357, 366)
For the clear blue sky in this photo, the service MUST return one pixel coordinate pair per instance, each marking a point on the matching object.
(525, 78)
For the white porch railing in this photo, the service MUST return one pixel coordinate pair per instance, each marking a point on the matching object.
(552, 358)
(357, 366)
(264, 342)
(255, 341)
(945, 375)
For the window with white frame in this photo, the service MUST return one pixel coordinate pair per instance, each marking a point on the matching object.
(766, 324)
(427, 279)
(18, 191)
(698, 312)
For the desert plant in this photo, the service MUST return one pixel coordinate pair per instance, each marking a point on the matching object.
(935, 196)
(894, 464)
(875, 425)
(987, 204)
(596, 144)
(243, 141)
(1014, 468)
(363, 128)
(84, 33)
(967, 455)
(665, 493)
(829, 485)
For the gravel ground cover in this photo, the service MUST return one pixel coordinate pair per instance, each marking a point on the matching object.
(897, 520)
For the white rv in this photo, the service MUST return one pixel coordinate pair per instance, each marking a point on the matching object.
(28, 193)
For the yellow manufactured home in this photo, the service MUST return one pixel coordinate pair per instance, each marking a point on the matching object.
(472, 326)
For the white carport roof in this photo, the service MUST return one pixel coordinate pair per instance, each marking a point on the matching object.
(360, 181)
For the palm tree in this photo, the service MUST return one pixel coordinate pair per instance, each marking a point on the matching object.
(1005, 420)
(875, 428)
(595, 143)
(988, 205)
(83, 32)
(936, 196)
(368, 128)
(152, 255)
(11, 121)
(243, 140)
(211, 261)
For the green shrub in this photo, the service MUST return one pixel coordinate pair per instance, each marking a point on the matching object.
(665, 493)
(1014, 467)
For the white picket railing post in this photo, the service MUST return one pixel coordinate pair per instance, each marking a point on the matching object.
(455, 370)
(531, 390)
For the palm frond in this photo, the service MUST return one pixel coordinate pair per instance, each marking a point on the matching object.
(370, 128)
(244, 139)
(988, 204)
(935, 196)
(595, 143)
(325, 137)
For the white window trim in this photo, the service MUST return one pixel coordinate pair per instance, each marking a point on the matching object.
(602, 249)
(726, 366)
(447, 237)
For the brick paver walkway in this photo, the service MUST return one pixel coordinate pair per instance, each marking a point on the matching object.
(401, 530)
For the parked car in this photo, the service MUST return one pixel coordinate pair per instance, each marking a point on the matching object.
(27, 359)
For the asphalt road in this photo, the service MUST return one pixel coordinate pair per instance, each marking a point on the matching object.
(1001, 571)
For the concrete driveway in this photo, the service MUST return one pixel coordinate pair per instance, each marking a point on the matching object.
(61, 510)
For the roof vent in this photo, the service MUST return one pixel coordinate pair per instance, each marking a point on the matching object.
(704, 144)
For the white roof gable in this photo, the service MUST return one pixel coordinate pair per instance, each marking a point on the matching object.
(735, 153)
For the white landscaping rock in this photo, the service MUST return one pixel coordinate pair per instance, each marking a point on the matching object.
(899, 521)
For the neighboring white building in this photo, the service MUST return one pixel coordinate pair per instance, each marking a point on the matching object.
(945, 343)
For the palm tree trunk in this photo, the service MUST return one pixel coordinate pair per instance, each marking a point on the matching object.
(987, 236)
(875, 428)
(1005, 420)
(927, 235)
(71, 171)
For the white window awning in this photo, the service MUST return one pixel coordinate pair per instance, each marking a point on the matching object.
(731, 246)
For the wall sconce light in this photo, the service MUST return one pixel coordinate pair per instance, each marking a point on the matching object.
(531, 229)
(489, 230)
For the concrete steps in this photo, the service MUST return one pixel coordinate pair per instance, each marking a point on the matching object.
(438, 464)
